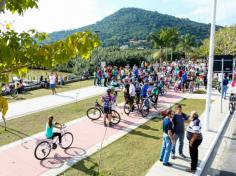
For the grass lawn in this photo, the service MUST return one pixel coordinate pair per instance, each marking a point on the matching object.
(42, 92)
(31, 124)
(133, 154)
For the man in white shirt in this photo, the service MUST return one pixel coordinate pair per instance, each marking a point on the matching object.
(132, 94)
(52, 82)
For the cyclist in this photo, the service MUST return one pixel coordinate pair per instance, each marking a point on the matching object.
(144, 91)
(132, 94)
(107, 104)
(49, 129)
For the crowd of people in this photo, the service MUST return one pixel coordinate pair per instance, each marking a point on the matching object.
(138, 83)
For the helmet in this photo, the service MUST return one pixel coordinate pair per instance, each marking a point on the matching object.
(108, 90)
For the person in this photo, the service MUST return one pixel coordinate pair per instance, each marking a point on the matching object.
(3, 108)
(179, 121)
(52, 83)
(195, 138)
(49, 129)
(225, 86)
(107, 105)
(198, 82)
(132, 94)
(167, 139)
(184, 80)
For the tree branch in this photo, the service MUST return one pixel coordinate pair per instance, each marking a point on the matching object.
(13, 69)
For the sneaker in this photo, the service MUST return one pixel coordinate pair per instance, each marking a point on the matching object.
(167, 164)
(190, 170)
(173, 156)
(110, 124)
(183, 156)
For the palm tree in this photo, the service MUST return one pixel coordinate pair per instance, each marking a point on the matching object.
(157, 43)
(174, 39)
(186, 43)
(165, 36)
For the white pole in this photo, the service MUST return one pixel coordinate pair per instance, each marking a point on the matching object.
(222, 78)
(210, 67)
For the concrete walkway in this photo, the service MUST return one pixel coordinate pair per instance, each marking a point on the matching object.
(222, 161)
(179, 164)
(25, 107)
(18, 158)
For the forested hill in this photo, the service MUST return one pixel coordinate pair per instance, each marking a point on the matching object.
(132, 23)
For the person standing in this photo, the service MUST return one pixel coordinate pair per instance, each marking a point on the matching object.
(194, 136)
(225, 86)
(179, 122)
(52, 83)
(107, 107)
(132, 94)
(3, 108)
(167, 139)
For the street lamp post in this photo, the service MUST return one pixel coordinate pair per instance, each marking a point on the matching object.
(210, 67)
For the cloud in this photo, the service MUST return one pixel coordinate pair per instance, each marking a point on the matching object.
(202, 10)
(56, 15)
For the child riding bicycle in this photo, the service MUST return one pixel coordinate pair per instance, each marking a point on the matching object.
(49, 129)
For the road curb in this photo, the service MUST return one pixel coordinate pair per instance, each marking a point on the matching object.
(203, 163)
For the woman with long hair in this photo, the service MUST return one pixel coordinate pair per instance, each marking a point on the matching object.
(49, 129)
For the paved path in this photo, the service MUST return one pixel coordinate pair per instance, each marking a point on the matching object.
(222, 162)
(18, 158)
(25, 107)
(179, 164)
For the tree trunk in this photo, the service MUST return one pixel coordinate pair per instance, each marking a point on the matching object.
(2, 4)
(185, 53)
(166, 53)
(171, 54)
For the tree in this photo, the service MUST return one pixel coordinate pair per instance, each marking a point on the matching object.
(187, 41)
(173, 40)
(157, 43)
(19, 51)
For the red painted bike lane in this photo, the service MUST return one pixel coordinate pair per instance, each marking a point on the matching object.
(19, 160)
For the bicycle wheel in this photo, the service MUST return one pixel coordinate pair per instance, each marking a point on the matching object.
(127, 108)
(115, 117)
(145, 111)
(67, 140)
(42, 150)
(14, 93)
(94, 113)
(231, 108)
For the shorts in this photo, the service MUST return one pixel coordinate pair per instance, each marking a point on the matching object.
(107, 110)
(52, 86)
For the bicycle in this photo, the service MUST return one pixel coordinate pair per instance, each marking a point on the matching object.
(127, 106)
(232, 103)
(12, 92)
(94, 113)
(44, 148)
(147, 105)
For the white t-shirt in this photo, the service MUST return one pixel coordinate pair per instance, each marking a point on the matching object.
(52, 79)
(132, 90)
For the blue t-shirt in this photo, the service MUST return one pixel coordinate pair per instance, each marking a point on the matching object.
(184, 77)
(49, 131)
(225, 82)
(178, 121)
(167, 125)
(144, 90)
(136, 72)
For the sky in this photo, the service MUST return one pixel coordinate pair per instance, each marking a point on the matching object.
(55, 15)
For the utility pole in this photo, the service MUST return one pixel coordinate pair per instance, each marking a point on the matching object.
(210, 68)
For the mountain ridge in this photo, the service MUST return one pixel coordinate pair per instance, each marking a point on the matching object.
(134, 23)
